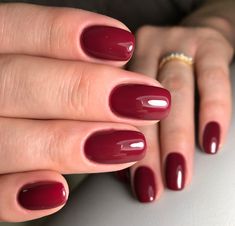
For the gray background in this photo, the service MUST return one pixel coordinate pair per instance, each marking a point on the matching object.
(208, 201)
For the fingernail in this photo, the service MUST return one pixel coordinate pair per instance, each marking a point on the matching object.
(42, 195)
(108, 43)
(211, 138)
(140, 102)
(113, 147)
(175, 171)
(123, 175)
(144, 184)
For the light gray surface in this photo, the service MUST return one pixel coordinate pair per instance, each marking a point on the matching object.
(209, 201)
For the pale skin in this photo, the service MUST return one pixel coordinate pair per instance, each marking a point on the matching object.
(48, 76)
(208, 37)
(68, 65)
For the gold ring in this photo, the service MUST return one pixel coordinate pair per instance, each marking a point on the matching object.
(176, 56)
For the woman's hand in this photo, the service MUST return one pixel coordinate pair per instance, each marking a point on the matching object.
(64, 107)
(169, 158)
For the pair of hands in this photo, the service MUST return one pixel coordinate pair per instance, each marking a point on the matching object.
(68, 107)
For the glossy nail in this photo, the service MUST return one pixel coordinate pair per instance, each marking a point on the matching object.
(42, 195)
(123, 175)
(114, 146)
(211, 138)
(108, 43)
(144, 184)
(140, 102)
(175, 171)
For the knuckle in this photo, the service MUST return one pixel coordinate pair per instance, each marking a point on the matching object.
(180, 136)
(146, 41)
(78, 91)
(175, 83)
(144, 30)
(59, 146)
(216, 74)
(9, 81)
(58, 36)
(215, 105)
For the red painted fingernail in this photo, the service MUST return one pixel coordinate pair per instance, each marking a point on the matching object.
(123, 175)
(108, 43)
(140, 102)
(211, 138)
(144, 184)
(42, 195)
(110, 147)
(175, 171)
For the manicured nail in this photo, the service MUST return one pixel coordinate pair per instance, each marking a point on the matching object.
(113, 147)
(108, 43)
(211, 138)
(144, 184)
(175, 171)
(42, 195)
(140, 102)
(123, 175)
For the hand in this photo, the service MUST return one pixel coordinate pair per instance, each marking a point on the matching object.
(171, 143)
(65, 106)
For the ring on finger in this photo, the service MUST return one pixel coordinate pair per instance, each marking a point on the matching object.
(176, 56)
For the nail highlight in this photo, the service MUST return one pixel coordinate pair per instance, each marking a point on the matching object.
(175, 171)
(108, 43)
(144, 184)
(113, 147)
(140, 102)
(211, 138)
(42, 195)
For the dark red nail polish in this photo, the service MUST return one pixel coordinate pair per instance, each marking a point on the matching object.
(110, 147)
(140, 102)
(144, 184)
(175, 171)
(108, 43)
(211, 138)
(42, 195)
(123, 175)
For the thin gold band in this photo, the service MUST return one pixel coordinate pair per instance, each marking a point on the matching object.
(176, 56)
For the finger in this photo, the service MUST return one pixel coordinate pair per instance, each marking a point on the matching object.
(33, 87)
(146, 174)
(68, 146)
(212, 64)
(64, 33)
(31, 195)
(146, 178)
(177, 130)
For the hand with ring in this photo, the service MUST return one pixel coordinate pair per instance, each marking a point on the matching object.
(182, 59)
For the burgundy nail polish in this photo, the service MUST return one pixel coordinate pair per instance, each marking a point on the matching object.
(123, 175)
(42, 195)
(114, 146)
(140, 102)
(144, 184)
(175, 171)
(211, 138)
(108, 43)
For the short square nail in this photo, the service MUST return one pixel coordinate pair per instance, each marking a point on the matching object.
(175, 171)
(140, 101)
(211, 138)
(144, 184)
(42, 195)
(110, 43)
(115, 146)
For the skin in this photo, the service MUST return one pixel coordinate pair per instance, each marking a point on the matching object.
(208, 35)
(52, 147)
(18, 115)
